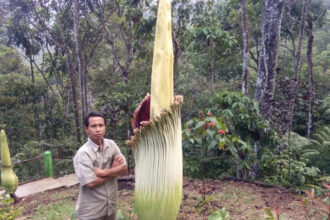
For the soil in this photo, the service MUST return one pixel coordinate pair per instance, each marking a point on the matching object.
(242, 200)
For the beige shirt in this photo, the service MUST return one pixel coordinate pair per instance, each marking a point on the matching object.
(101, 200)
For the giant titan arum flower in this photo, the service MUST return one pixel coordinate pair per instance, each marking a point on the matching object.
(9, 179)
(157, 142)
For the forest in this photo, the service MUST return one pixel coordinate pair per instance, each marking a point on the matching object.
(254, 76)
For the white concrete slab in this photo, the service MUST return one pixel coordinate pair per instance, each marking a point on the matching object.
(43, 185)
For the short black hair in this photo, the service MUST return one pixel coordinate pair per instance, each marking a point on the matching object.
(93, 114)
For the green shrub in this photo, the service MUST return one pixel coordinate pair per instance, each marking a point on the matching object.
(321, 143)
(7, 209)
(210, 151)
(220, 214)
(243, 119)
(203, 147)
(290, 166)
(317, 206)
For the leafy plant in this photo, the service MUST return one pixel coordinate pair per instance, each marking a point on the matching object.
(317, 206)
(7, 209)
(209, 149)
(120, 215)
(321, 143)
(220, 214)
(289, 164)
(243, 119)
(204, 141)
(324, 112)
(274, 214)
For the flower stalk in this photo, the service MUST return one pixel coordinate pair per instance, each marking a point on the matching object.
(157, 148)
(9, 179)
(157, 141)
(162, 65)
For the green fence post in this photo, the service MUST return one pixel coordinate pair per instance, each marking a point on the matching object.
(48, 164)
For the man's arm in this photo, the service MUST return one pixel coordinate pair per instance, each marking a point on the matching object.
(118, 168)
(103, 175)
(97, 182)
(85, 171)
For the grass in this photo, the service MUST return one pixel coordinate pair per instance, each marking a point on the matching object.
(238, 201)
(241, 200)
(59, 210)
(126, 205)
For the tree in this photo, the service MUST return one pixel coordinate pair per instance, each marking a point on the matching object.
(56, 36)
(89, 19)
(4, 18)
(267, 70)
(245, 72)
(19, 99)
(243, 119)
(127, 34)
(10, 60)
(210, 47)
(28, 38)
(287, 124)
(181, 13)
(310, 75)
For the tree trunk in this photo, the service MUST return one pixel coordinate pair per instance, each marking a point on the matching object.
(80, 59)
(127, 39)
(127, 121)
(35, 110)
(262, 73)
(212, 67)
(31, 68)
(310, 75)
(238, 164)
(66, 50)
(74, 94)
(301, 34)
(86, 91)
(245, 49)
(268, 57)
(295, 85)
(71, 73)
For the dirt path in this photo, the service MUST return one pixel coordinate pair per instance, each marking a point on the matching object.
(242, 200)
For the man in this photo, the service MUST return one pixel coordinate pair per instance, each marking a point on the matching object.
(97, 164)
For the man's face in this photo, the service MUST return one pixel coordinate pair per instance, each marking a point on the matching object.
(95, 129)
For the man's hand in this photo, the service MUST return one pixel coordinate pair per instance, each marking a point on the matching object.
(98, 172)
(119, 160)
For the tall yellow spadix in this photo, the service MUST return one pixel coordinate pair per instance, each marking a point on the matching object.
(157, 141)
(162, 66)
(9, 179)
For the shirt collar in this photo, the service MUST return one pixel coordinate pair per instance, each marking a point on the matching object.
(94, 146)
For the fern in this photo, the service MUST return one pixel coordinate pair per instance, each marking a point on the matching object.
(324, 112)
(327, 130)
(326, 103)
(297, 143)
(321, 143)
